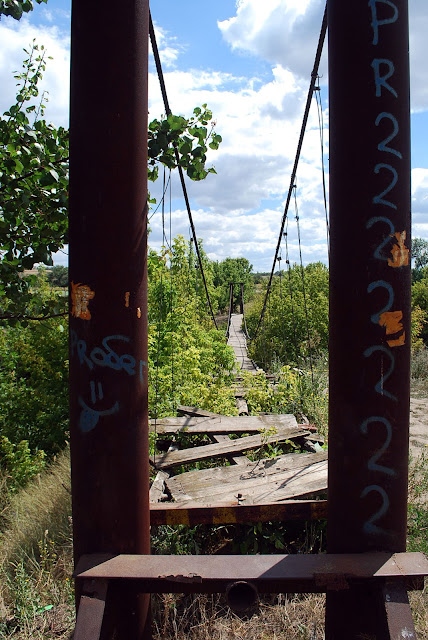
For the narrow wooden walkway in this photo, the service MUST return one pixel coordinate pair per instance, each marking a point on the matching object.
(237, 476)
(238, 341)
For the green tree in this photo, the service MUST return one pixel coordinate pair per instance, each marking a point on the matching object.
(419, 257)
(189, 361)
(283, 336)
(15, 8)
(420, 301)
(34, 181)
(33, 189)
(58, 276)
(34, 379)
(236, 271)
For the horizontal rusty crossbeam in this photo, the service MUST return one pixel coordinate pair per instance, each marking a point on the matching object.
(270, 573)
(193, 513)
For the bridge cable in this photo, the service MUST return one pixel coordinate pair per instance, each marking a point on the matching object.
(171, 293)
(314, 76)
(304, 290)
(324, 190)
(290, 288)
(177, 158)
(162, 203)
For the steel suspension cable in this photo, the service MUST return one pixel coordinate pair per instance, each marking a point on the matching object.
(304, 289)
(324, 190)
(290, 288)
(177, 158)
(314, 76)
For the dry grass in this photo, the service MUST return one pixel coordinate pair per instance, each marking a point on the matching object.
(36, 596)
(36, 559)
(208, 618)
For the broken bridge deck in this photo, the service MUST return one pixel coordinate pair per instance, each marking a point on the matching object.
(240, 484)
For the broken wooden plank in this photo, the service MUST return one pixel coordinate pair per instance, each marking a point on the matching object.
(255, 485)
(196, 411)
(236, 459)
(193, 513)
(247, 443)
(223, 424)
(219, 476)
(157, 489)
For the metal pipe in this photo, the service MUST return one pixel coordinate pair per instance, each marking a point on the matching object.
(242, 596)
(108, 274)
(370, 329)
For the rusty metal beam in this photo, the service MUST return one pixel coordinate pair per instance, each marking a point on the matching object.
(193, 513)
(108, 274)
(91, 610)
(370, 329)
(271, 574)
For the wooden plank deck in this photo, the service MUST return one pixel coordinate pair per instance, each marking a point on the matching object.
(222, 424)
(221, 449)
(269, 480)
(246, 490)
(238, 341)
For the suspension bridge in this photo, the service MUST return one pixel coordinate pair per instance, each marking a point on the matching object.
(366, 572)
(237, 480)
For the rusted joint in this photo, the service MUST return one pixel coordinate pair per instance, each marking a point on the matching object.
(189, 578)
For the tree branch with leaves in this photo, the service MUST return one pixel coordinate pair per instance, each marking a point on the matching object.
(34, 181)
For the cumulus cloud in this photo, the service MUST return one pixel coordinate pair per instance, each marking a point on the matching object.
(283, 32)
(420, 202)
(16, 36)
(418, 18)
(168, 46)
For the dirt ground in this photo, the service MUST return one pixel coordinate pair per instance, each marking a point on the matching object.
(418, 425)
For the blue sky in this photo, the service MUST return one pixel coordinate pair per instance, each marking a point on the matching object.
(250, 60)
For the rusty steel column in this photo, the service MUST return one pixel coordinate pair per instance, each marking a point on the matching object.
(369, 292)
(108, 279)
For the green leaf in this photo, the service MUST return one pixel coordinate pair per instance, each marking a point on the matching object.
(54, 174)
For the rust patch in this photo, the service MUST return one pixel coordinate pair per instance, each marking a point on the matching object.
(191, 577)
(127, 294)
(81, 294)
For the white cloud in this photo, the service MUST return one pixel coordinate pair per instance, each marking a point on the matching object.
(283, 32)
(15, 36)
(420, 203)
(418, 18)
(168, 47)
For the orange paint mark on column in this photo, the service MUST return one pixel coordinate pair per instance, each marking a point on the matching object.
(138, 312)
(391, 320)
(81, 294)
(398, 342)
(400, 253)
(127, 294)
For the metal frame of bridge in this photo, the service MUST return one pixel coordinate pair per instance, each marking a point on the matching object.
(366, 571)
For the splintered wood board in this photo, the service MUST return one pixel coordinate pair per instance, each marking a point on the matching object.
(222, 424)
(269, 480)
(247, 443)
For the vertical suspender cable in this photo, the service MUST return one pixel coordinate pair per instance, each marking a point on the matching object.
(317, 92)
(177, 157)
(304, 291)
(314, 76)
